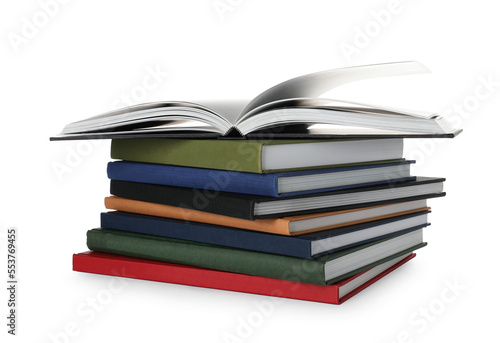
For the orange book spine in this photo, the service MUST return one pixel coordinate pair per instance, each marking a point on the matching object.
(278, 226)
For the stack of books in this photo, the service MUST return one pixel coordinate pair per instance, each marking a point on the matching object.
(282, 211)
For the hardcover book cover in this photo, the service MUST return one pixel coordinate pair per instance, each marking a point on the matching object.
(253, 262)
(337, 293)
(250, 207)
(289, 226)
(258, 156)
(273, 185)
(308, 246)
(292, 107)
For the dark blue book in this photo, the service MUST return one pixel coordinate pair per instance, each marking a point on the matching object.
(275, 185)
(307, 246)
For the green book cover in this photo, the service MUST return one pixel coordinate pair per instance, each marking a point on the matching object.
(224, 258)
(223, 154)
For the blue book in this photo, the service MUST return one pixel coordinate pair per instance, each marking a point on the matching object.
(307, 246)
(274, 185)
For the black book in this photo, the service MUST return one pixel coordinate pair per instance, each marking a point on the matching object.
(258, 207)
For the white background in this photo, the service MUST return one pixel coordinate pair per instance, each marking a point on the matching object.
(85, 56)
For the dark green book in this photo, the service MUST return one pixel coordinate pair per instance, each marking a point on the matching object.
(258, 156)
(321, 271)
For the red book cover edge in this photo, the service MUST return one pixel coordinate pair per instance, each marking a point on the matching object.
(124, 266)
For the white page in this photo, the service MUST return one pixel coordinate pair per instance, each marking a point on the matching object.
(229, 109)
(315, 84)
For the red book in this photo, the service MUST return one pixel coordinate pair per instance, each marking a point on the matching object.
(117, 265)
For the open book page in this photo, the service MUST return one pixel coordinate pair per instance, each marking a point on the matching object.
(228, 109)
(340, 105)
(135, 111)
(293, 105)
(156, 114)
(315, 84)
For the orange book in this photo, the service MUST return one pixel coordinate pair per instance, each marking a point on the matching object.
(289, 226)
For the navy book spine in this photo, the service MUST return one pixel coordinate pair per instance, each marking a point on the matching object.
(211, 179)
(296, 246)
(228, 181)
(207, 233)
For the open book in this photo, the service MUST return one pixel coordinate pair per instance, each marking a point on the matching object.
(291, 109)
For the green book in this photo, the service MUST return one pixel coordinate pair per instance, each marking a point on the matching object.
(321, 271)
(258, 156)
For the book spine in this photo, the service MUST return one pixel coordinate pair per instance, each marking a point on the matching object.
(277, 226)
(244, 206)
(114, 265)
(194, 199)
(211, 179)
(204, 233)
(206, 256)
(234, 155)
